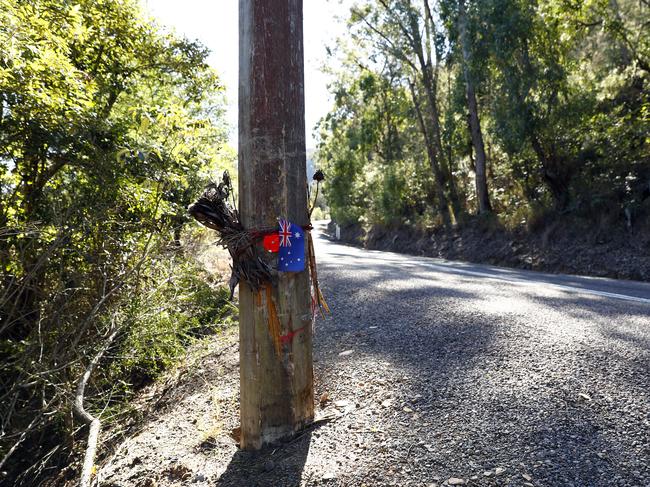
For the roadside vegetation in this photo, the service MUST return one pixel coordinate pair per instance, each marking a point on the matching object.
(529, 117)
(109, 127)
(532, 115)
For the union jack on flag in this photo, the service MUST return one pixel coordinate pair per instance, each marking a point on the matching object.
(285, 233)
(291, 256)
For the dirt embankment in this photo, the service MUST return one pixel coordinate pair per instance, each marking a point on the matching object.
(563, 246)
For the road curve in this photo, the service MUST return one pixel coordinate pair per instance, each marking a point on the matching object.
(485, 375)
(595, 286)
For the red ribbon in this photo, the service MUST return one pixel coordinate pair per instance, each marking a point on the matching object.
(289, 336)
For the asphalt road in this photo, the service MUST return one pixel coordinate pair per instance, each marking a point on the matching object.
(591, 286)
(456, 373)
(435, 373)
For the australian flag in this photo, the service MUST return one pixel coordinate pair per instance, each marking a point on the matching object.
(291, 256)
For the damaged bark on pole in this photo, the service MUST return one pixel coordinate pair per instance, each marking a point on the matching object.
(276, 391)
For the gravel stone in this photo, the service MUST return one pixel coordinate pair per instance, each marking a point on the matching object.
(493, 360)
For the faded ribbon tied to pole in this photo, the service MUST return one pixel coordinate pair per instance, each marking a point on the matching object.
(216, 210)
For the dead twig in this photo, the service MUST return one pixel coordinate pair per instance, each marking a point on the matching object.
(93, 422)
(22, 437)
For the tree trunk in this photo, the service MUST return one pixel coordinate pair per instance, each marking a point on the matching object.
(474, 121)
(443, 205)
(429, 70)
(276, 391)
(556, 175)
(434, 145)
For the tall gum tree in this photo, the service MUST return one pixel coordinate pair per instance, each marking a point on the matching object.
(476, 133)
(407, 33)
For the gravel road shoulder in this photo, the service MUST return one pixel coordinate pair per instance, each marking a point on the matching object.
(436, 379)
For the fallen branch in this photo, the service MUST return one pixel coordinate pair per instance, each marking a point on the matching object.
(93, 422)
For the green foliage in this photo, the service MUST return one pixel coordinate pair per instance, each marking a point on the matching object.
(319, 214)
(109, 128)
(182, 304)
(562, 90)
(364, 150)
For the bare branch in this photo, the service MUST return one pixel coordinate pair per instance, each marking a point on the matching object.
(397, 52)
(85, 416)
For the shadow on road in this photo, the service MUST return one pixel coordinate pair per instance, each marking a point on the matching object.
(277, 466)
(483, 375)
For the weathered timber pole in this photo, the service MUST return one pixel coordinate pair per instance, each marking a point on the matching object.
(276, 391)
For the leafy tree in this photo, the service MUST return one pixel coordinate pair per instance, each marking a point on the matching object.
(108, 128)
(408, 37)
(465, 41)
(550, 96)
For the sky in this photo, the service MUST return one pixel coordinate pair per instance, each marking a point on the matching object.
(215, 24)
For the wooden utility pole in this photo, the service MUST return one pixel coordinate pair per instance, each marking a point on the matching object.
(277, 396)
